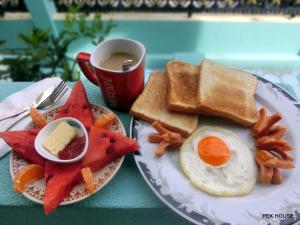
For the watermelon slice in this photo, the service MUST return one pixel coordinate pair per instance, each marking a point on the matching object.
(23, 143)
(60, 180)
(52, 168)
(106, 146)
(78, 106)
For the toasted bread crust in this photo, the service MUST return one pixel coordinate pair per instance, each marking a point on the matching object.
(228, 93)
(229, 116)
(152, 120)
(151, 105)
(182, 86)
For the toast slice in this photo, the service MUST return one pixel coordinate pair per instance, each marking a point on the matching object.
(183, 85)
(227, 92)
(151, 105)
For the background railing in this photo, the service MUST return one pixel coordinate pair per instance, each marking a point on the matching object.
(12, 6)
(291, 7)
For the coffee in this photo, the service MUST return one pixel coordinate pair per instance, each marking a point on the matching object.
(118, 61)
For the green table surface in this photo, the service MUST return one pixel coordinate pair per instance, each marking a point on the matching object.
(125, 200)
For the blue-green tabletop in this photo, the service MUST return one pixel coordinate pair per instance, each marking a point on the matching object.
(125, 200)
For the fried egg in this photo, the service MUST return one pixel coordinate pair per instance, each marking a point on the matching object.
(216, 161)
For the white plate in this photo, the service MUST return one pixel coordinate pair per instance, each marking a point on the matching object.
(168, 182)
(36, 190)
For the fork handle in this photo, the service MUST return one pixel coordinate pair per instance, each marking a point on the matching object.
(9, 125)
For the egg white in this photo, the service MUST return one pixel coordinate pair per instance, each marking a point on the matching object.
(236, 177)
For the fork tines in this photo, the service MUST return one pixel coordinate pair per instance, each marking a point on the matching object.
(60, 87)
(57, 93)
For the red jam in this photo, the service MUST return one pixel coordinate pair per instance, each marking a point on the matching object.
(73, 149)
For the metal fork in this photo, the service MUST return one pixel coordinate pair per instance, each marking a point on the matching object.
(55, 96)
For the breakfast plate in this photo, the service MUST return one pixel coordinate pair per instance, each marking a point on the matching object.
(265, 204)
(35, 191)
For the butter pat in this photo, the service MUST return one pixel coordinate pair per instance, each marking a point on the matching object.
(59, 138)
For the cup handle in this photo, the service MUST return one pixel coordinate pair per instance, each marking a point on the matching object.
(83, 60)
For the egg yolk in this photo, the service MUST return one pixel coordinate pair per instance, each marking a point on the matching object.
(213, 151)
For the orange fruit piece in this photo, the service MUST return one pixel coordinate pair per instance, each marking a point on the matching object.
(105, 120)
(38, 119)
(27, 175)
(88, 179)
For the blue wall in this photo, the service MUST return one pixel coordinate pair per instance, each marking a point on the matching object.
(245, 44)
(258, 43)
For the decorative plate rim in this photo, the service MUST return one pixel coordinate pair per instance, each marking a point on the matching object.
(68, 202)
(159, 195)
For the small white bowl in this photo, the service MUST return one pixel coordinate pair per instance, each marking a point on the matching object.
(48, 129)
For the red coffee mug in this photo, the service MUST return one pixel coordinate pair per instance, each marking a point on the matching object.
(119, 88)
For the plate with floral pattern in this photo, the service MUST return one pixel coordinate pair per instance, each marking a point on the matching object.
(35, 191)
(264, 205)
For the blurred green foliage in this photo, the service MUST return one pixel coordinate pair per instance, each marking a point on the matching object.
(45, 54)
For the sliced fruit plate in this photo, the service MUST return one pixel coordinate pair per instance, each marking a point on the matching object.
(63, 184)
(35, 191)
